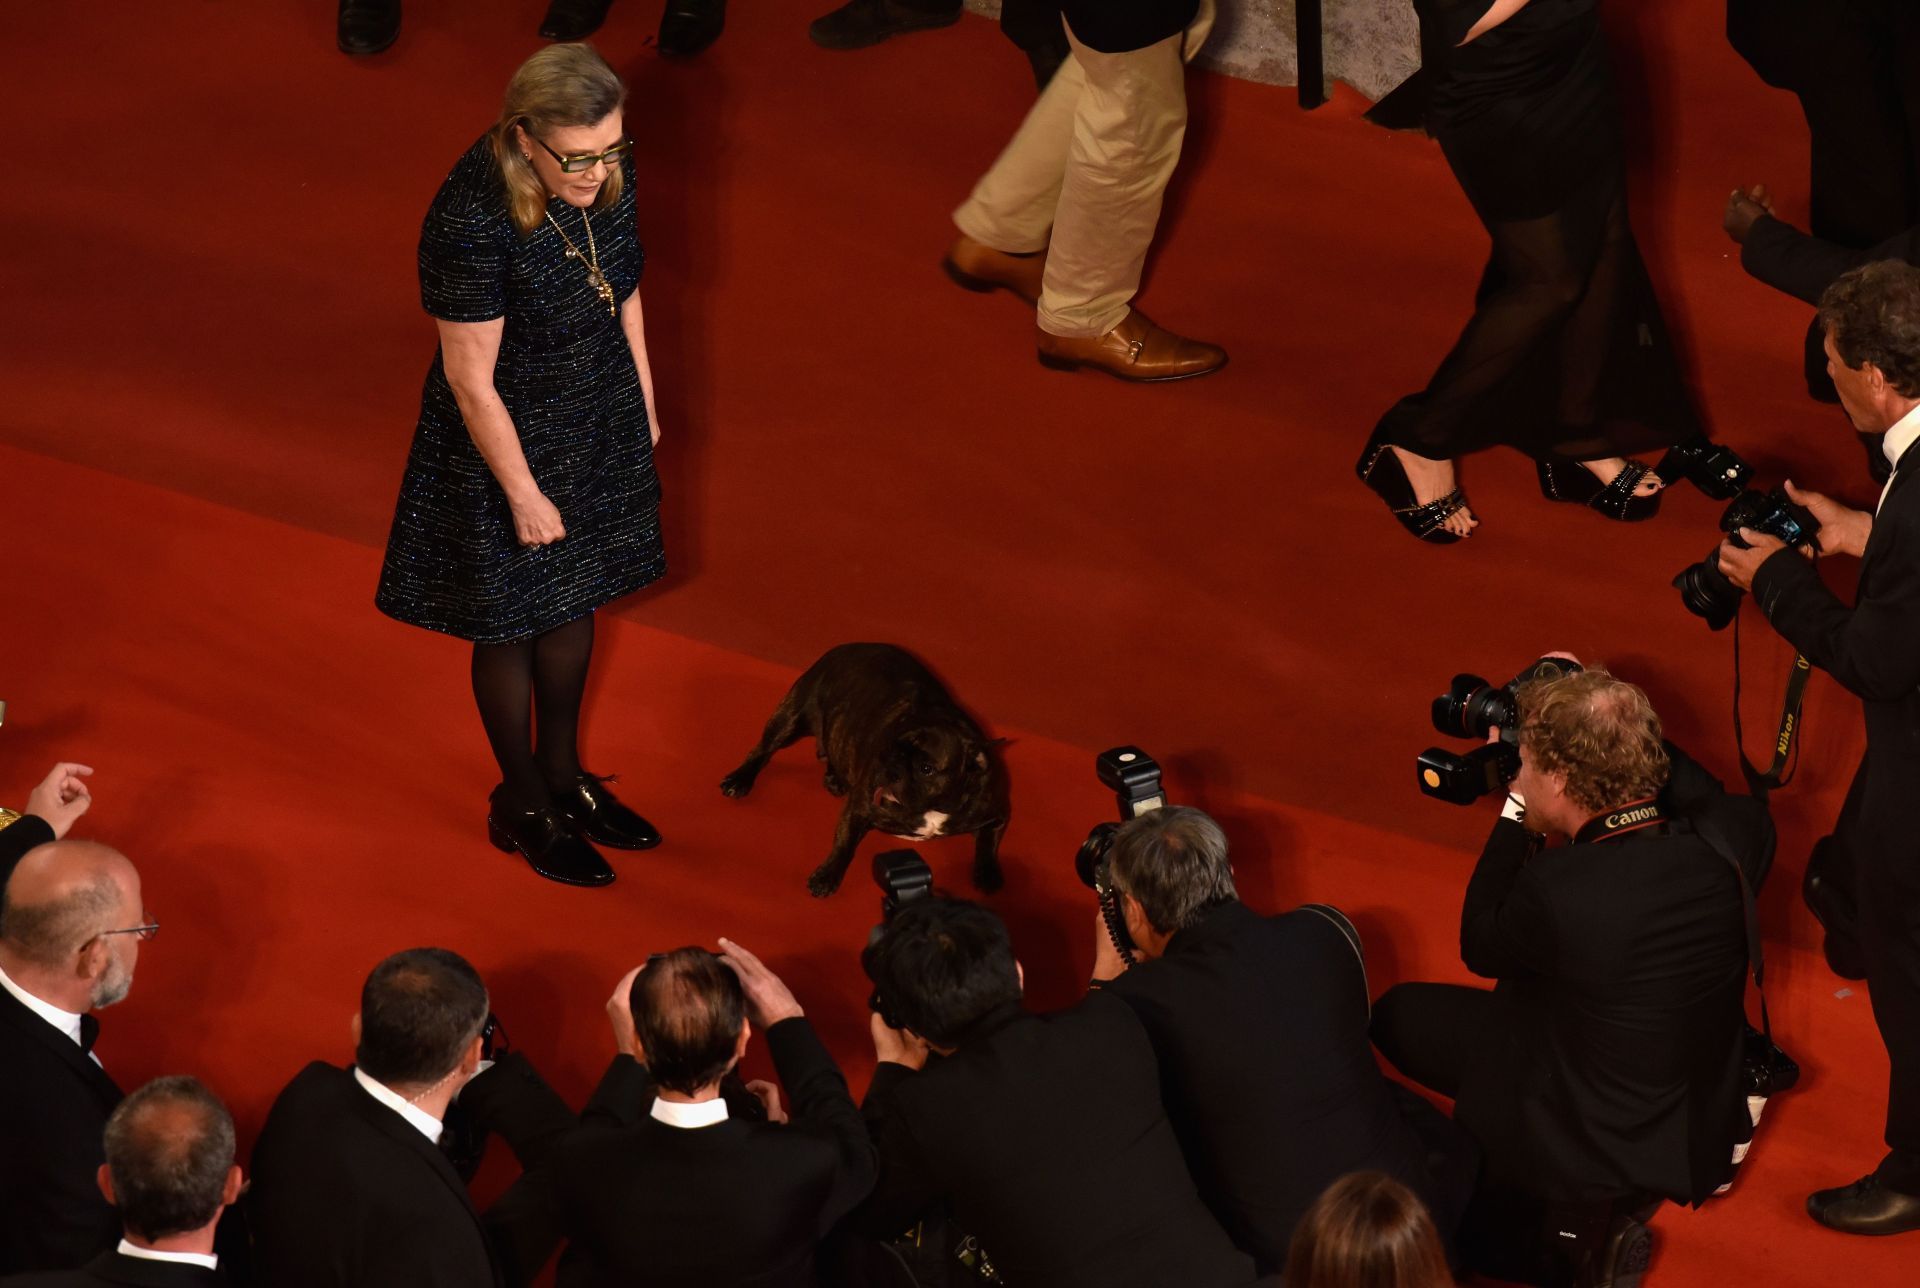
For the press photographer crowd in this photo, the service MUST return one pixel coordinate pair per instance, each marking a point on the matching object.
(1233, 1101)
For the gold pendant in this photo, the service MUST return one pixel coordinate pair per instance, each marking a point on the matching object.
(602, 285)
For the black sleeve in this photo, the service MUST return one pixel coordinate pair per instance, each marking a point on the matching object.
(27, 832)
(906, 1187)
(1873, 648)
(624, 1096)
(1689, 786)
(1734, 824)
(513, 1100)
(821, 1099)
(1506, 927)
(1804, 266)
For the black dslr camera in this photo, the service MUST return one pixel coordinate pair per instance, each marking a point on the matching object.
(1704, 589)
(1471, 708)
(903, 878)
(1134, 778)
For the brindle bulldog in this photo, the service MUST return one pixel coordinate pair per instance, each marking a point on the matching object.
(909, 761)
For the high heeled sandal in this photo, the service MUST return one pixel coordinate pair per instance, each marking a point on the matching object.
(1382, 472)
(1716, 470)
(1574, 483)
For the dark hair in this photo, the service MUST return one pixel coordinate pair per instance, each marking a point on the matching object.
(169, 1150)
(940, 966)
(1872, 314)
(688, 1009)
(418, 1011)
(1367, 1231)
(1174, 862)
(1598, 730)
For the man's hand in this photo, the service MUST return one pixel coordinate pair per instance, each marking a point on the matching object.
(768, 1000)
(620, 1014)
(1744, 210)
(897, 1046)
(1107, 962)
(62, 797)
(769, 1095)
(1738, 565)
(1843, 531)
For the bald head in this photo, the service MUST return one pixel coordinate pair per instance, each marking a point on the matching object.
(61, 902)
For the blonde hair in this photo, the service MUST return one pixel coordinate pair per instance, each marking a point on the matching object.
(1601, 732)
(560, 87)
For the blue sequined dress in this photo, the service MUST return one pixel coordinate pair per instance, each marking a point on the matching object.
(568, 379)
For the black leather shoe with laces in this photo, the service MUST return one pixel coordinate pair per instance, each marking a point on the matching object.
(1865, 1207)
(860, 23)
(687, 27)
(367, 26)
(599, 816)
(547, 841)
(573, 19)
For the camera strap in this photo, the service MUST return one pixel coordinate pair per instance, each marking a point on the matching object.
(1785, 750)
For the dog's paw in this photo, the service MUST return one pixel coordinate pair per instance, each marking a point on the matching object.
(736, 784)
(831, 781)
(823, 882)
(987, 877)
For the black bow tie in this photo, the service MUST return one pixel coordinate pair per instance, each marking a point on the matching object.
(89, 1032)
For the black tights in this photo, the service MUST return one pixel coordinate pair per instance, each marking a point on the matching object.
(529, 693)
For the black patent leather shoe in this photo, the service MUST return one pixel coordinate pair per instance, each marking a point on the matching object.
(1718, 471)
(600, 817)
(860, 23)
(573, 19)
(1865, 1207)
(548, 842)
(687, 27)
(1567, 481)
(367, 26)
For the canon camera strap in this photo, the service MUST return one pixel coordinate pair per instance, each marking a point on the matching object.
(1636, 816)
(1777, 774)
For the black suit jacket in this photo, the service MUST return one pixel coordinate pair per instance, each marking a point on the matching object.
(741, 1202)
(1873, 650)
(54, 1103)
(1804, 266)
(347, 1194)
(111, 1268)
(1614, 1064)
(1260, 1025)
(1047, 1137)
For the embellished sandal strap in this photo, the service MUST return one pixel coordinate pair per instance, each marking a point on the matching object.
(1424, 519)
(1621, 490)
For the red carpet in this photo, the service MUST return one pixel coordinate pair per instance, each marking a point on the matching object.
(212, 351)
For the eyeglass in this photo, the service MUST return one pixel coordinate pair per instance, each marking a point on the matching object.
(145, 932)
(579, 161)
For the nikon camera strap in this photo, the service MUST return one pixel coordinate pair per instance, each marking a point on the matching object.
(1778, 773)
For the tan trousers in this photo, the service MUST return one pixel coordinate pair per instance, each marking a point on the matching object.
(1091, 163)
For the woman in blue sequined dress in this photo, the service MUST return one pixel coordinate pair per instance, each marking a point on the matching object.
(530, 498)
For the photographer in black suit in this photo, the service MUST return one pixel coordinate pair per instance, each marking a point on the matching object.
(1865, 886)
(666, 1183)
(1045, 1134)
(170, 1173)
(351, 1188)
(70, 935)
(1260, 1026)
(1604, 1071)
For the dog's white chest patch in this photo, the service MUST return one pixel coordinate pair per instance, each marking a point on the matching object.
(932, 823)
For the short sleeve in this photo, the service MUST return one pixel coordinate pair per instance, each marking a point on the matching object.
(463, 263)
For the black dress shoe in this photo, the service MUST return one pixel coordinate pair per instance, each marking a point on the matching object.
(573, 19)
(601, 818)
(547, 841)
(860, 23)
(367, 26)
(1865, 1207)
(689, 26)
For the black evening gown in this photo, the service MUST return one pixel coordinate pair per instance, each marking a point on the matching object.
(568, 379)
(1566, 356)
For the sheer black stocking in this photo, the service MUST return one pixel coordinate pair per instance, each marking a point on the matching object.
(547, 673)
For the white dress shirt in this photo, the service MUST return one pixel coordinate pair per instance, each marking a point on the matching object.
(182, 1258)
(1894, 444)
(68, 1022)
(678, 1113)
(420, 1119)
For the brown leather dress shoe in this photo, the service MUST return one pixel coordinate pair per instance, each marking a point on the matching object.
(1134, 350)
(982, 268)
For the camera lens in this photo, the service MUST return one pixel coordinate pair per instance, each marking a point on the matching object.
(1707, 594)
(1460, 711)
(1093, 853)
